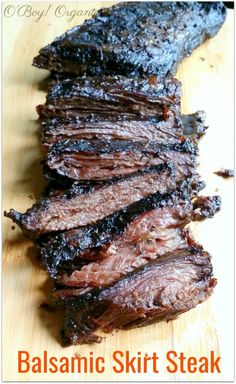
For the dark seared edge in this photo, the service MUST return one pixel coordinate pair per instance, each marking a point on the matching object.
(134, 39)
(69, 210)
(64, 181)
(99, 147)
(75, 249)
(57, 249)
(61, 182)
(140, 299)
(100, 159)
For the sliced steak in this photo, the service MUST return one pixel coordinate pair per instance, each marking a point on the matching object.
(80, 206)
(163, 131)
(134, 39)
(65, 250)
(98, 160)
(115, 96)
(161, 291)
(95, 127)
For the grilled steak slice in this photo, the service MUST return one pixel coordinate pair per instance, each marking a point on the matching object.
(95, 127)
(161, 291)
(80, 206)
(59, 251)
(98, 160)
(111, 97)
(57, 129)
(134, 39)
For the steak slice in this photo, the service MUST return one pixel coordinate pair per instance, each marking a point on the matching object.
(82, 206)
(66, 250)
(111, 96)
(59, 185)
(113, 128)
(98, 160)
(160, 291)
(134, 39)
(97, 127)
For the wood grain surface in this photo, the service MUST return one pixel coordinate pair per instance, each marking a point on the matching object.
(207, 77)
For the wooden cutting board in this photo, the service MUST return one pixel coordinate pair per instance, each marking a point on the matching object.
(207, 77)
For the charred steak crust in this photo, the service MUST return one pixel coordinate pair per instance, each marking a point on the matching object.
(92, 147)
(134, 39)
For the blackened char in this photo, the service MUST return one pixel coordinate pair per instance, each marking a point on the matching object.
(80, 206)
(111, 96)
(145, 297)
(98, 160)
(134, 39)
(56, 251)
(110, 127)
